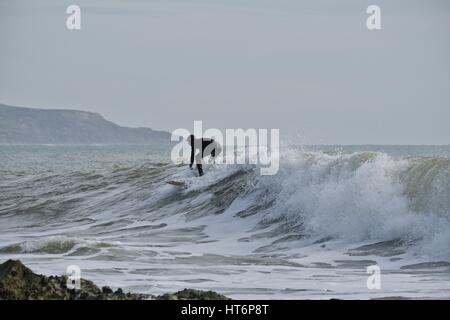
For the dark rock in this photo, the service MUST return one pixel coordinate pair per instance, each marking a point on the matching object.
(107, 290)
(192, 294)
(17, 282)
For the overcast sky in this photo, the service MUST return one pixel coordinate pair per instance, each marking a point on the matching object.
(310, 68)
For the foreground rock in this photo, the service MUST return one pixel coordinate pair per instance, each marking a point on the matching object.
(191, 294)
(17, 282)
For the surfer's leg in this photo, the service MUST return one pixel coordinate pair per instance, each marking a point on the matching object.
(212, 159)
(200, 169)
(214, 152)
(198, 160)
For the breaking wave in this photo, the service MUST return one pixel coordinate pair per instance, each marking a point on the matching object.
(316, 195)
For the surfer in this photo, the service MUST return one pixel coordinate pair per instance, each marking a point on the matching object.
(206, 147)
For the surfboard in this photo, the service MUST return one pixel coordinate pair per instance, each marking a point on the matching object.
(177, 183)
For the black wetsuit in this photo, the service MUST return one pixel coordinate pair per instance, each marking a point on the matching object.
(208, 147)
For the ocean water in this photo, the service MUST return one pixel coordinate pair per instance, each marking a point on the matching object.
(310, 231)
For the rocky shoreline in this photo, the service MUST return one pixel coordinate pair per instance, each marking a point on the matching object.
(17, 282)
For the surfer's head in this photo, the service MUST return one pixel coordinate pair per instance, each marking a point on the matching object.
(191, 139)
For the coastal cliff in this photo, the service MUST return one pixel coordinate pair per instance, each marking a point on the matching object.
(41, 126)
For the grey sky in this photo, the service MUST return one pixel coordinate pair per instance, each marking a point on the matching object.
(310, 68)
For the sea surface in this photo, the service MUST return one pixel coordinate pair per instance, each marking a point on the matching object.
(309, 231)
